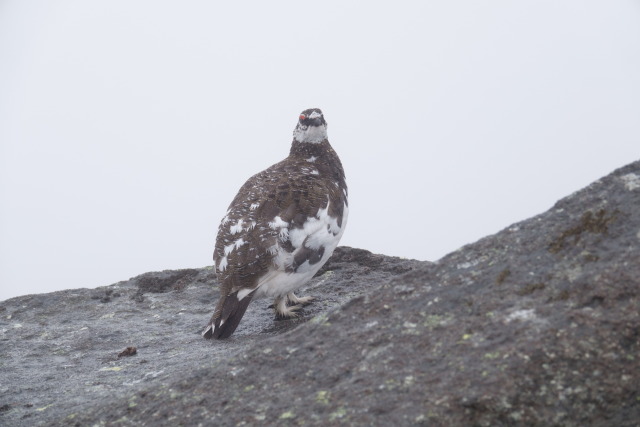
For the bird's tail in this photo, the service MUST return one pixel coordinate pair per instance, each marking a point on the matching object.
(227, 316)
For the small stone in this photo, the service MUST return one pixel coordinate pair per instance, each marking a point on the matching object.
(129, 351)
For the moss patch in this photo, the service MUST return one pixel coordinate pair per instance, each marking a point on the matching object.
(531, 288)
(502, 276)
(596, 223)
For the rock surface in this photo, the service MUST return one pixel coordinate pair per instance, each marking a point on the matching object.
(536, 325)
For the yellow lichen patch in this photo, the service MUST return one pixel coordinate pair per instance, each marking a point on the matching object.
(287, 415)
(409, 381)
(323, 397)
(410, 328)
(321, 319)
(432, 321)
(339, 413)
(112, 368)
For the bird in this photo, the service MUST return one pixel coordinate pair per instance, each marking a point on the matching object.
(280, 229)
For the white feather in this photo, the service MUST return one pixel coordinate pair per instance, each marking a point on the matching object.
(320, 229)
(312, 134)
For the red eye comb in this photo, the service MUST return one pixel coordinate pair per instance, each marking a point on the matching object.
(302, 117)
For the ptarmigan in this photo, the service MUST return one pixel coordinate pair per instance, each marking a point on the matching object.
(282, 226)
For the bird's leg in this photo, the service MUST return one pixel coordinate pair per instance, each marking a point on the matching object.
(293, 299)
(282, 310)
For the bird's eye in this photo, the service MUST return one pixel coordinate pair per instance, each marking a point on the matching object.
(302, 117)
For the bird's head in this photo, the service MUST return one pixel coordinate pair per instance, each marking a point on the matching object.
(311, 127)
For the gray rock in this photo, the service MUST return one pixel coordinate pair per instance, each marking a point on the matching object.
(536, 325)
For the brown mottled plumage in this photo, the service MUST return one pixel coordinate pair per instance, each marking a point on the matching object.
(281, 228)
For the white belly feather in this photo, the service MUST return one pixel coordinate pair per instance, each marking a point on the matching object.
(319, 231)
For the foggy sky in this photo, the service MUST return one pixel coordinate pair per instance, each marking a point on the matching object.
(127, 127)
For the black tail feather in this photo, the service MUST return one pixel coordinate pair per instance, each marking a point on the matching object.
(227, 316)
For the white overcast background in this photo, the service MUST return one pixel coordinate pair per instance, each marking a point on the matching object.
(126, 127)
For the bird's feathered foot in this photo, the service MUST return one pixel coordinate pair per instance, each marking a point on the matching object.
(293, 299)
(287, 306)
(227, 316)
